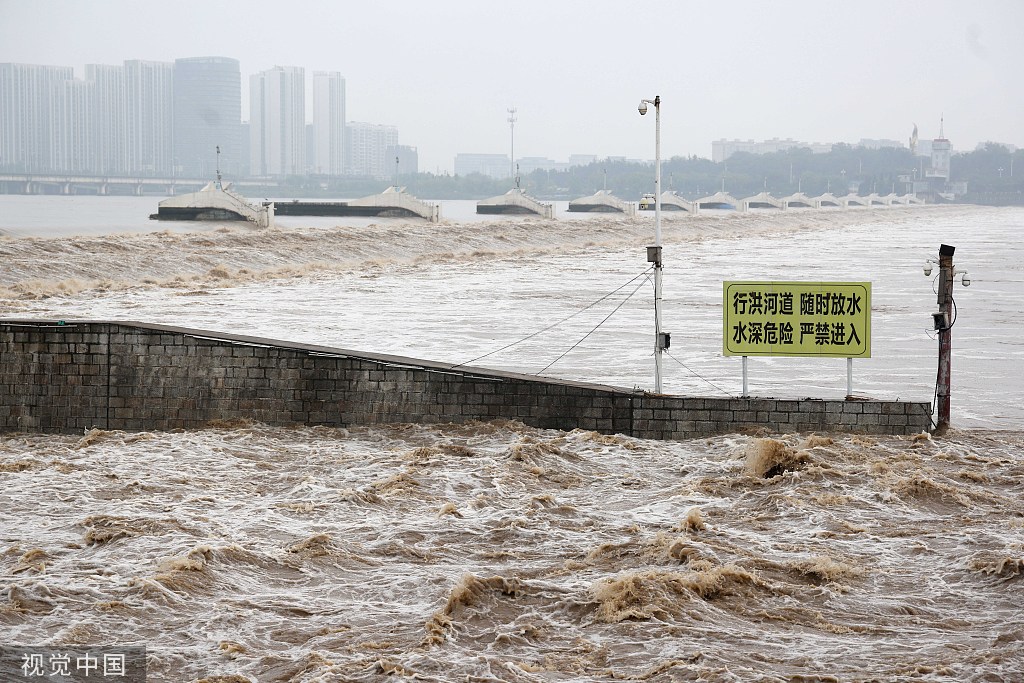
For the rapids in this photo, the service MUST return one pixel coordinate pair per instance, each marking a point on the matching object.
(494, 551)
(500, 552)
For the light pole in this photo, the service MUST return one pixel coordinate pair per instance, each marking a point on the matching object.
(944, 320)
(661, 340)
(512, 132)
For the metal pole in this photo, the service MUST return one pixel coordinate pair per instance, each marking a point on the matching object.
(849, 377)
(512, 132)
(945, 301)
(657, 242)
(654, 252)
(745, 392)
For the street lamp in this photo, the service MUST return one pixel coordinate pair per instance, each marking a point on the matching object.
(512, 133)
(661, 340)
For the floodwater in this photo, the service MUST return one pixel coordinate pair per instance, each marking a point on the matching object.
(499, 552)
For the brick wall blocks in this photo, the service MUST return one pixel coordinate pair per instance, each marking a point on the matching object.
(141, 377)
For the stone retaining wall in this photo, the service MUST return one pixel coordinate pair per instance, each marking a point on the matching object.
(70, 377)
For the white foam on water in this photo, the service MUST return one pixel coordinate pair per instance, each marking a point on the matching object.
(495, 551)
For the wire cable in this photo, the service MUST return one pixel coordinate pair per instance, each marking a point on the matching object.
(554, 325)
(594, 329)
(699, 376)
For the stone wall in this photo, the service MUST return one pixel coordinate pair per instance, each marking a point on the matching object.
(70, 377)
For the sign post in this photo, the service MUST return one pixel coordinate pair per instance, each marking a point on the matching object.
(809, 319)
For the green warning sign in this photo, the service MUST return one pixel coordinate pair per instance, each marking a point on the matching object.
(831, 319)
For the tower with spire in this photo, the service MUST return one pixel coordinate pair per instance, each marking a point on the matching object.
(941, 152)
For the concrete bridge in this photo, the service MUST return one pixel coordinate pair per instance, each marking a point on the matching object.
(720, 199)
(763, 201)
(396, 200)
(800, 199)
(13, 183)
(515, 201)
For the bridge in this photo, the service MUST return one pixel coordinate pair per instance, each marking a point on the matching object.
(13, 183)
(764, 200)
(515, 201)
(394, 201)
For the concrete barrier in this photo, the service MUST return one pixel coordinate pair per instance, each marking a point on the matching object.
(69, 377)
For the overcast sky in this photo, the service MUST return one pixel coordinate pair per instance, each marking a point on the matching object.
(445, 72)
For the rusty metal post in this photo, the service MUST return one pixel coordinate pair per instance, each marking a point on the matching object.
(945, 300)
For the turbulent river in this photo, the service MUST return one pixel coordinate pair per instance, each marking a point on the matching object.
(500, 552)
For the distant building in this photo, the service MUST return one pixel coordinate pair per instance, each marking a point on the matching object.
(108, 125)
(367, 145)
(528, 165)
(869, 143)
(490, 165)
(582, 159)
(169, 119)
(73, 112)
(404, 160)
(277, 121)
(933, 180)
(723, 149)
(208, 115)
(148, 93)
(1009, 148)
(941, 149)
(28, 140)
(117, 121)
(328, 127)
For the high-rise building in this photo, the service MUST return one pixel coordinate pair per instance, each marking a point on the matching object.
(73, 113)
(277, 121)
(28, 140)
(149, 94)
(208, 115)
(108, 121)
(404, 161)
(368, 149)
(328, 123)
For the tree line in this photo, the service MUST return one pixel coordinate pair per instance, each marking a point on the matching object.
(990, 171)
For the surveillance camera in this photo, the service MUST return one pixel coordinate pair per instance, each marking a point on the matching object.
(642, 108)
(966, 281)
(927, 268)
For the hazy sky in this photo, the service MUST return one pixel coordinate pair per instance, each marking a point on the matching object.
(445, 72)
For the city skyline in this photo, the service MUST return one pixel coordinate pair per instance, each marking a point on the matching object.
(445, 73)
(158, 118)
(183, 119)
